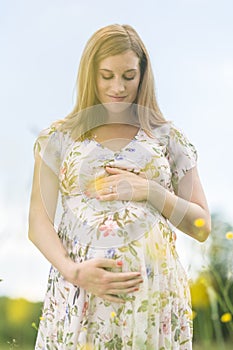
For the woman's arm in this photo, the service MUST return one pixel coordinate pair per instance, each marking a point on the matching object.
(181, 209)
(42, 210)
(91, 274)
(185, 207)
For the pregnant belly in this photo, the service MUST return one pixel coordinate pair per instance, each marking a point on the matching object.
(108, 224)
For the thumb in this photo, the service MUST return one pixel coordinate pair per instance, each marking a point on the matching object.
(109, 263)
(113, 170)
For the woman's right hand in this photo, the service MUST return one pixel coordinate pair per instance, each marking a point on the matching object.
(92, 276)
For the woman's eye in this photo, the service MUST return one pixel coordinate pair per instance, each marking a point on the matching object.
(129, 78)
(107, 77)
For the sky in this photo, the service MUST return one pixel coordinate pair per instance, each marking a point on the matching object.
(191, 49)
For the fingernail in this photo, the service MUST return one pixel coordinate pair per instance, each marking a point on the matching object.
(136, 289)
(119, 263)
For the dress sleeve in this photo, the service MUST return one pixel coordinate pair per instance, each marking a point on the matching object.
(48, 146)
(182, 154)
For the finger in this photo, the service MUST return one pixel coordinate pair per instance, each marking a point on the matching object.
(113, 170)
(124, 291)
(108, 197)
(142, 174)
(91, 190)
(107, 190)
(123, 276)
(133, 283)
(107, 181)
(108, 263)
(117, 170)
(117, 276)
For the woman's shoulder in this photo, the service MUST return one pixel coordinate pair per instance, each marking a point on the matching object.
(168, 131)
(162, 132)
(52, 137)
(54, 132)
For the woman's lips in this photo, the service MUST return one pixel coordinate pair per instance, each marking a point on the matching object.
(117, 98)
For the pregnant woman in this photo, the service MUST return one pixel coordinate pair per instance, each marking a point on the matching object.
(127, 178)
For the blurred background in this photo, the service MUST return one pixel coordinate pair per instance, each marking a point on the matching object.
(191, 49)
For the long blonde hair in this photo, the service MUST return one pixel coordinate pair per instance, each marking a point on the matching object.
(109, 41)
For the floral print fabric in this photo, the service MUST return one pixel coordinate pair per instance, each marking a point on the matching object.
(158, 315)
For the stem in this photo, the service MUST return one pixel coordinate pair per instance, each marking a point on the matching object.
(224, 291)
(215, 317)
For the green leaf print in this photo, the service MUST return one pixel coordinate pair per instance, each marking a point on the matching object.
(143, 307)
(69, 335)
(174, 320)
(156, 151)
(132, 250)
(123, 249)
(177, 334)
(114, 344)
(72, 180)
(60, 336)
(119, 311)
(129, 312)
(136, 243)
(185, 341)
(119, 224)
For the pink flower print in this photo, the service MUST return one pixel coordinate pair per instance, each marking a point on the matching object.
(85, 307)
(63, 173)
(108, 227)
(166, 325)
(63, 170)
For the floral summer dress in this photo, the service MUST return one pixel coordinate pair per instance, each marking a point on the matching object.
(158, 316)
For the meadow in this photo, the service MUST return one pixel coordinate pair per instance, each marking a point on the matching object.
(211, 293)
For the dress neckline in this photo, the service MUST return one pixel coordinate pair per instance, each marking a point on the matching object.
(131, 141)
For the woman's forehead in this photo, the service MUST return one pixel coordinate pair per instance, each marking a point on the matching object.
(127, 60)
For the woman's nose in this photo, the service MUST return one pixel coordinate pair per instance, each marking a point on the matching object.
(118, 85)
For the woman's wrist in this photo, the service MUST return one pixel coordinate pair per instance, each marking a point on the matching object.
(144, 190)
(70, 270)
(156, 195)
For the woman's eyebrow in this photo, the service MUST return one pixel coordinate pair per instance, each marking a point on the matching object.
(110, 71)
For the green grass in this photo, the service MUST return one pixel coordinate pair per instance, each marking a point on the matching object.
(7, 347)
(212, 347)
(195, 347)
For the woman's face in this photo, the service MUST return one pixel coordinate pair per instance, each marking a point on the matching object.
(118, 78)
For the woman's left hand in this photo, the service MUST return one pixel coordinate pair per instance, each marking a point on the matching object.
(119, 185)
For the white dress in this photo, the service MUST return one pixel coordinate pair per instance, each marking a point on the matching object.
(158, 316)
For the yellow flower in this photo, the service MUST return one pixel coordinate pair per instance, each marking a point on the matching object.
(113, 314)
(227, 317)
(193, 315)
(200, 298)
(203, 280)
(42, 318)
(87, 347)
(17, 310)
(229, 235)
(199, 222)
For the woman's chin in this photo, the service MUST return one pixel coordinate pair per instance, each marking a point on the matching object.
(117, 106)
